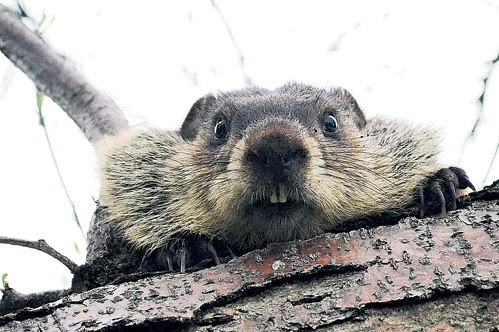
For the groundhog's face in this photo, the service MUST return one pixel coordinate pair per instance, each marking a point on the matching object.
(275, 165)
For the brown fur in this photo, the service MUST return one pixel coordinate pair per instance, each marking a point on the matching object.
(159, 185)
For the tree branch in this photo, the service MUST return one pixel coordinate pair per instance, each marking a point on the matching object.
(247, 80)
(42, 246)
(39, 101)
(425, 268)
(479, 118)
(95, 113)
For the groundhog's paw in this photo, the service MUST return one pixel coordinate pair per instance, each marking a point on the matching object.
(441, 191)
(193, 253)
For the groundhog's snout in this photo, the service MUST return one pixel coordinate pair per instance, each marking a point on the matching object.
(276, 158)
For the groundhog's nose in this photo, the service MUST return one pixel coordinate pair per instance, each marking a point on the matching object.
(276, 157)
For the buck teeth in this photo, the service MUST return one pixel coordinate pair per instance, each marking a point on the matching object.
(279, 198)
(273, 198)
(282, 195)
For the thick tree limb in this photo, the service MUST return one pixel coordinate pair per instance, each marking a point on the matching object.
(42, 246)
(331, 280)
(95, 113)
(11, 299)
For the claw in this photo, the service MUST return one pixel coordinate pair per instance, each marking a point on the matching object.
(232, 255)
(441, 200)
(452, 191)
(464, 180)
(169, 262)
(214, 253)
(164, 259)
(421, 202)
(183, 258)
(468, 183)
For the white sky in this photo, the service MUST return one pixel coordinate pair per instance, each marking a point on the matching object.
(420, 60)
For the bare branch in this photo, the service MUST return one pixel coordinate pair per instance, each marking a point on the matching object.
(42, 246)
(491, 163)
(39, 101)
(479, 116)
(247, 79)
(95, 113)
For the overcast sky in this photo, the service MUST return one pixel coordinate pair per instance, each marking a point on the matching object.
(421, 60)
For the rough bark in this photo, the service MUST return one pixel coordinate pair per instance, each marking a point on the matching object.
(95, 113)
(434, 274)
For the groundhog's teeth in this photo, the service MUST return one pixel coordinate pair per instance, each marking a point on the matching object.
(280, 197)
(283, 198)
(273, 198)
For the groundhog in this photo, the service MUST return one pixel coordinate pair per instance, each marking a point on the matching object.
(256, 166)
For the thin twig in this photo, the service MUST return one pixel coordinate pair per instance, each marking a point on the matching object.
(39, 102)
(490, 166)
(42, 246)
(479, 115)
(247, 79)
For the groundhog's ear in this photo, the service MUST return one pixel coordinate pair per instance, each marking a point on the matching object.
(349, 100)
(192, 122)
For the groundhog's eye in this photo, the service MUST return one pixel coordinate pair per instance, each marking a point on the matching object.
(330, 124)
(220, 129)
